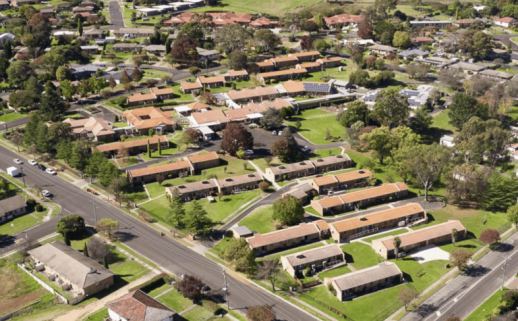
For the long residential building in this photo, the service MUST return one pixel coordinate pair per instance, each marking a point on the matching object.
(436, 234)
(149, 174)
(133, 146)
(319, 258)
(367, 280)
(333, 205)
(355, 227)
(325, 184)
(307, 168)
(284, 239)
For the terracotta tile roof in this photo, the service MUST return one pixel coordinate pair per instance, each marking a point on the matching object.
(147, 117)
(190, 85)
(365, 276)
(309, 64)
(278, 103)
(211, 80)
(138, 306)
(422, 39)
(95, 125)
(248, 93)
(425, 234)
(328, 202)
(237, 114)
(289, 233)
(331, 59)
(377, 217)
(343, 18)
(293, 59)
(236, 73)
(351, 176)
(162, 91)
(130, 144)
(283, 73)
(211, 116)
(293, 87)
(373, 192)
(197, 105)
(199, 158)
(160, 169)
(322, 225)
(504, 20)
(265, 63)
(325, 180)
(141, 97)
(305, 54)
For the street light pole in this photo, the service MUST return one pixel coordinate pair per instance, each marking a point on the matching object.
(225, 288)
(95, 210)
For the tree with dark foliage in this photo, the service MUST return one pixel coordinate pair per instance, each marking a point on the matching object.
(306, 42)
(490, 236)
(365, 30)
(261, 313)
(184, 50)
(190, 287)
(236, 137)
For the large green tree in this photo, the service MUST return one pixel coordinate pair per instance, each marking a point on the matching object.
(197, 222)
(391, 109)
(52, 106)
(463, 107)
(356, 111)
(288, 210)
(176, 210)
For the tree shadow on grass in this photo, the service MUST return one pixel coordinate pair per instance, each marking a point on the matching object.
(6, 240)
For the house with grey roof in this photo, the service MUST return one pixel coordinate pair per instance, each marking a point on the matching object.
(6, 36)
(382, 49)
(495, 74)
(155, 49)
(414, 53)
(417, 97)
(12, 207)
(77, 274)
(4, 5)
(84, 71)
(316, 259)
(467, 67)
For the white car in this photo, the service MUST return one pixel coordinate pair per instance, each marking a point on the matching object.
(33, 162)
(46, 193)
(51, 171)
(280, 132)
(274, 133)
(305, 149)
(18, 161)
(249, 152)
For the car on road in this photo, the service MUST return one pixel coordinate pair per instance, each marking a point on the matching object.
(42, 167)
(18, 161)
(51, 171)
(280, 132)
(305, 149)
(46, 193)
(33, 162)
(249, 152)
(274, 133)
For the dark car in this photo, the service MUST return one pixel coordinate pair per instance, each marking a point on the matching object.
(42, 167)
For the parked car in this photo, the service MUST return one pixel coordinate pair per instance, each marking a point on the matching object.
(51, 171)
(46, 193)
(305, 149)
(249, 152)
(274, 133)
(18, 161)
(280, 132)
(42, 167)
(33, 162)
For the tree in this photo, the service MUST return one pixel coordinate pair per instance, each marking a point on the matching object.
(70, 225)
(271, 119)
(107, 226)
(454, 234)
(190, 287)
(19, 72)
(397, 245)
(136, 75)
(237, 60)
(85, 251)
(466, 184)
(112, 82)
(463, 107)
(356, 111)
(197, 221)
(306, 42)
(267, 39)
(125, 78)
(190, 136)
(360, 78)
(321, 45)
(80, 27)
(192, 30)
(382, 7)
(365, 30)
(450, 78)
(512, 215)
(8, 50)
(309, 26)
(68, 90)
(269, 270)
(168, 46)
(422, 120)
(236, 137)
(401, 39)
(176, 210)
(184, 50)
(501, 193)
(380, 141)
(407, 294)
(261, 313)
(231, 37)
(460, 258)
(489, 236)
(288, 210)
(99, 250)
(476, 43)
(238, 252)
(17, 139)
(62, 73)
(418, 71)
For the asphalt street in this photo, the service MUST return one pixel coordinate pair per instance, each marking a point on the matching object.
(116, 17)
(464, 294)
(165, 251)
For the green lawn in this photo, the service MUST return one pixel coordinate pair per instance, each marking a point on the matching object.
(149, 73)
(217, 210)
(120, 125)
(487, 307)
(263, 165)
(250, 6)
(98, 316)
(360, 255)
(198, 314)
(442, 121)
(334, 272)
(319, 153)
(421, 275)
(22, 223)
(378, 236)
(260, 220)
(295, 250)
(11, 116)
(310, 209)
(137, 194)
(313, 112)
(313, 130)
(130, 271)
(173, 149)
(175, 301)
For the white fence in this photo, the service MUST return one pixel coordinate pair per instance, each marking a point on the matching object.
(44, 285)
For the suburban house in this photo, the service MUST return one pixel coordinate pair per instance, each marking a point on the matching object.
(333, 205)
(202, 161)
(348, 229)
(283, 74)
(296, 88)
(133, 146)
(6, 36)
(311, 66)
(211, 82)
(286, 61)
(284, 239)
(367, 280)
(157, 50)
(154, 95)
(195, 190)
(467, 67)
(436, 234)
(382, 49)
(419, 41)
(19, 3)
(495, 74)
(70, 268)
(331, 163)
(330, 62)
(126, 47)
(505, 22)
(84, 71)
(47, 11)
(205, 56)
(316, 259)
(190, 87)
(138, 306)
(447, 140)
(142, 120)
(93, 34)
(414, 53)
(149, 174)
(307, 168)
(263, 106)
(12, 207)
(255, 94)
(301, 192)
(238, 184)
(264, 22)
(188, 109)
(90, 50)
(4, 5)
(264, 66)
(306, 56)
(95, 128)
(418, 97)
(131, 33)
(325, 184)
(430, 23)
(343, 20)
(231, 75)
(214, 119)
(463, 23)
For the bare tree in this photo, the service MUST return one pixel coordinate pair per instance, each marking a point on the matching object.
(450, 78)
(460, 258)
(17, 139)
(407, 295)
(269, 270)
(98, 249)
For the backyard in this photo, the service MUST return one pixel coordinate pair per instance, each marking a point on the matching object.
(260, 220)
(312, 129)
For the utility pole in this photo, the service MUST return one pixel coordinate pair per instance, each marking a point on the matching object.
(23, 176)
(225, 288)
(95, 210)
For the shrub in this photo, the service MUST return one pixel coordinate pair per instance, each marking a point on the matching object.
(307, 271)
(264, 186)
(31, 202)
(331, 289)
(39, 208)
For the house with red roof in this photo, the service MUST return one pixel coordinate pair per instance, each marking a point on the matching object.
(138, 306)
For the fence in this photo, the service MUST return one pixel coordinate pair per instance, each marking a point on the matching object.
(46, 286)
(18, 312)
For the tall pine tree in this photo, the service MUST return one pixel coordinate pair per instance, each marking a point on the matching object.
(197, 220)
(176, 211)
(52, 107)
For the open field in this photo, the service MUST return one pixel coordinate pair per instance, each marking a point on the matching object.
(313, 130)
(250, 6)
(260, 220)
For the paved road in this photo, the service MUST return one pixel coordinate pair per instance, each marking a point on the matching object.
(116, 15)
(144, 239)
(468, 291)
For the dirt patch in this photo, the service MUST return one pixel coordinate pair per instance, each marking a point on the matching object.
(8, 279)
(14, 304)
